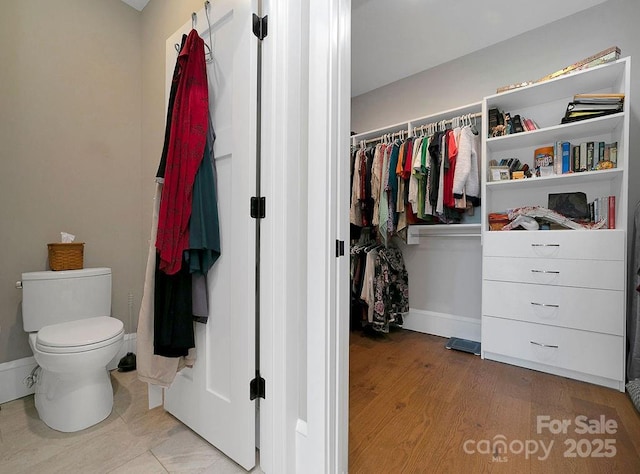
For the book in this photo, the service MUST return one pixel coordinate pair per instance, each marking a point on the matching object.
(599, 155)
(602, 57)
(508, 125)
(557, 158)
(612, 212)
(598, 98)
(574, 116)
(599, 107)
(566, 157)
(583, 157)
(532, 124)
(516, 124)
(526, 124)
(590, 151)
(575, 164)
(605, 56)
(613, 154)
(513, 86)
(495, 118)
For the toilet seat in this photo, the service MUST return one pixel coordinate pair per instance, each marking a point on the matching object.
(79, 336)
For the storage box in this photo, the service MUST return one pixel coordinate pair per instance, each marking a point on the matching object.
(66, 256)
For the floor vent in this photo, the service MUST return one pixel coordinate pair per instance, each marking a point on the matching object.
(463, 345)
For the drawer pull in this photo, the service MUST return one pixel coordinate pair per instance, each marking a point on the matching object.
(543, 345)
(545, 245)
(546, 305)
(545, 271)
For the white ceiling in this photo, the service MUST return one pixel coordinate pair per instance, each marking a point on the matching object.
(391, 40)
(137, 4)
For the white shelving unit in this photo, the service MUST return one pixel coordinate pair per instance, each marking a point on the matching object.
(554, 300)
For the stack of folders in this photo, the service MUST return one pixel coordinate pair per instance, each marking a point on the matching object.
(586, 106)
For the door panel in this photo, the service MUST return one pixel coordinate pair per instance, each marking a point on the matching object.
(212, 398)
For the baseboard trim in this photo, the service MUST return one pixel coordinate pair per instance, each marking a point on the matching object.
(13, 373)
(443, 324)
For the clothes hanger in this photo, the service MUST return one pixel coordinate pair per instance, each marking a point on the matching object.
(207, 6)
(194, 21)
(474, 128)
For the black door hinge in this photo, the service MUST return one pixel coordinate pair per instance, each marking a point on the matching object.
(257, 387)
(260, 26)
(339, 248)
(258, 207)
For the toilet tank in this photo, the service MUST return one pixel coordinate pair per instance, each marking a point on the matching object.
(52, 297)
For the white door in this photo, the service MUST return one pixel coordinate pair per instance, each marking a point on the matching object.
(212, 398)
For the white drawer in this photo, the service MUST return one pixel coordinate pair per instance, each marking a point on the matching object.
(579, 244)
(581, 351)
(602, 274)
(577, 308)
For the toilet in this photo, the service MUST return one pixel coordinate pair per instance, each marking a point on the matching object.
(73, 338)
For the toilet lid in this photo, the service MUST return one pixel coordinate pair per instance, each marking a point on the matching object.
(80, 334)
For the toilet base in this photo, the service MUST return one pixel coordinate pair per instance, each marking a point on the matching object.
(73, 402)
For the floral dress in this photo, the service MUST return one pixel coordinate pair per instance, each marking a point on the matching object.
(391, 294)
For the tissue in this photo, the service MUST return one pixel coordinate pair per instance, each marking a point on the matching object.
(66, 238)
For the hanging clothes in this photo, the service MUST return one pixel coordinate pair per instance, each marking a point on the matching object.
(355, 210)
(151, 368)
(379, 287)
(167, 128)
(188, 135)
(204, 231)
(466, 181)
(172, 298)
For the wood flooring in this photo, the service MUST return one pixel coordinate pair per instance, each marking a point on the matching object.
(416, 407)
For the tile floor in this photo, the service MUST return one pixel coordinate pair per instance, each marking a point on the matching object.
(132, 439)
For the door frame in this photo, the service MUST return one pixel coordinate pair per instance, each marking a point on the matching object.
(306, 107)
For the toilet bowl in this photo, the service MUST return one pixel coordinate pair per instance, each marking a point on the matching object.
(73, 388)
(73, 338)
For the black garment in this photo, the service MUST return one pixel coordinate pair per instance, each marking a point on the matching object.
(434, 174)
(173, 316)
(367, 202)
(172, 99)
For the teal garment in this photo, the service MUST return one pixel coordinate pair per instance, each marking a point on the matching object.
(204, 226)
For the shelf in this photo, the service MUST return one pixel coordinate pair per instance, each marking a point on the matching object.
(601, 77)
(567, 178)
(564, 132)
(441, 230)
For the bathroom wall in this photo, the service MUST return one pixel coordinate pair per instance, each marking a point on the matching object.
(70, 98)
(81, 138)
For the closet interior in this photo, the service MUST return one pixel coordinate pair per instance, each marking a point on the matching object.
(415, 225)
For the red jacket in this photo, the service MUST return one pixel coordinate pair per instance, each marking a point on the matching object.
(189, 124)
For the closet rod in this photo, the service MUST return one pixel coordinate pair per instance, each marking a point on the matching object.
(393, 135)
(419, 127)
(451, 120)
